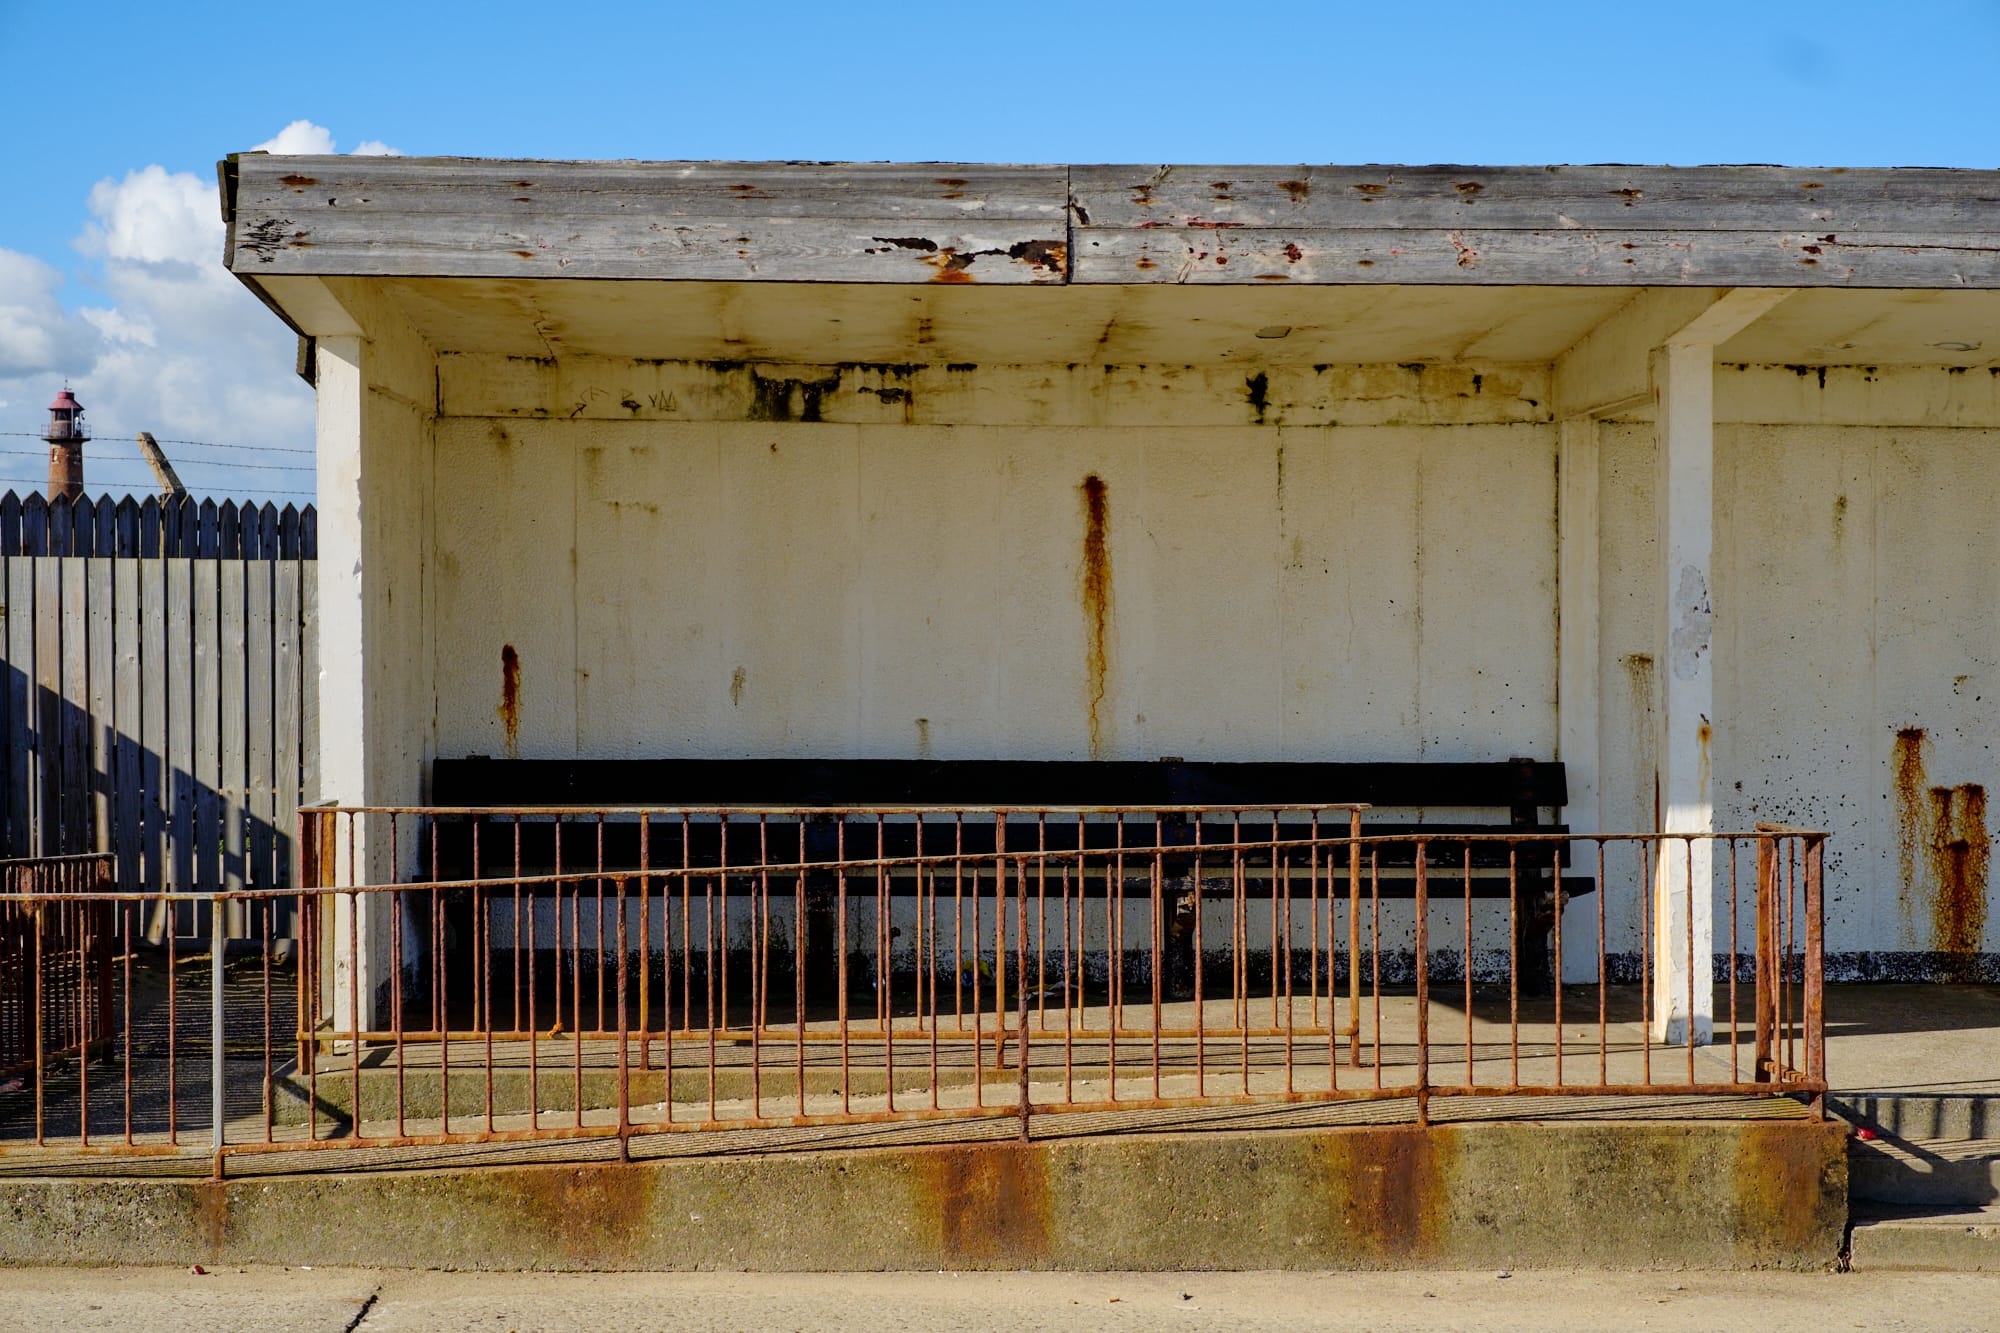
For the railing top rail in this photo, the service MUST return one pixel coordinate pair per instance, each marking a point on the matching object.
(71, 858)
(808, 810)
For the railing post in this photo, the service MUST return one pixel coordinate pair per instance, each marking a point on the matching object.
(1764, 979)
(1423, 905)
(1021, 986)
(218, 930)
(1353, 942)
(1815, 964)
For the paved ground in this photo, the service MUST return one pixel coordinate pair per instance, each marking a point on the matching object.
(373, 1301)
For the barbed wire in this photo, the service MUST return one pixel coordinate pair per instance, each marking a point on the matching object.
(196, 444)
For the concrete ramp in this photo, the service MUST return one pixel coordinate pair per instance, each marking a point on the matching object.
(1769, 1193)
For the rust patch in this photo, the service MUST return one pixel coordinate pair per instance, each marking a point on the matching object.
(510, 698)
(1096, 604)
(1299, 191)
(951, 266)
(991, 1201)
(1960, 856)
(1292, 252)
(211, 1215)
(1147, 263)
(1468, 188)
(1395, 1184)
(596, 1215)
(1049, 256)
(1790, 1190)
(297, 182)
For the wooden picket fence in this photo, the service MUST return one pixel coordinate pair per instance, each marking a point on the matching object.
(161, 676)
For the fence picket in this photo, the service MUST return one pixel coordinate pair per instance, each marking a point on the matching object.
(20, 758)
(126, 667)
(100, 723)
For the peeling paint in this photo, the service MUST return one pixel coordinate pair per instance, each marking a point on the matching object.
(1693, 626)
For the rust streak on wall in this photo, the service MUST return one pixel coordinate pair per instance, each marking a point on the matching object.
(1907, 783)
(510, 698)
(1960, 855)
(1096, 603)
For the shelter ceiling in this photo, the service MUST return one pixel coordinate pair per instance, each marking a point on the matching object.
(864, 322)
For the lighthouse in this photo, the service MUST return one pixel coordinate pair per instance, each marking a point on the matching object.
(66, 437)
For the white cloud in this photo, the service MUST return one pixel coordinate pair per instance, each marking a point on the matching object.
(375, 148)
(301, 137)
(153, 216)
(167, 341)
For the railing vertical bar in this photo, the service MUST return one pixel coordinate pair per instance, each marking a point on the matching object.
(624, 1063)
(1815, 975)
(1423, 903)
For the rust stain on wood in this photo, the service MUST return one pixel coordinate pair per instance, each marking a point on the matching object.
(297, 182)
(1298, 191)
(510, 698)
(991, 1201)
(1096, 603)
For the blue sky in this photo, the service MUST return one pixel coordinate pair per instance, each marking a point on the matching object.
(109, 268)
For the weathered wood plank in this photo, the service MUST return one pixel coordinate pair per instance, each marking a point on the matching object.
(19, 759)
(1554, 198)
(975, 249)
(259, 640)
(287, 713)
(309, 790)
(75, 704)
(127, 782)
(177, 757)
(232, 779)
(102, 719)
(744, 191)
(48, 706)
(207, 683)
(927, 222)
(155, 773)
(1575, 258)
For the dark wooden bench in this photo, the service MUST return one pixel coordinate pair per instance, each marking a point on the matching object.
(1515, 796)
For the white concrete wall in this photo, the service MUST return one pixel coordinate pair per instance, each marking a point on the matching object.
(742, 588)
(1857, 600)
(1367, 572)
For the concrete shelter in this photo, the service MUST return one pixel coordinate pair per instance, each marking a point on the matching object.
(1689, 478)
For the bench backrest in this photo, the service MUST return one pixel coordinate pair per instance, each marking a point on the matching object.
(1522, 787)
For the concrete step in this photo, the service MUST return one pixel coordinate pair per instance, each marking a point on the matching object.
(1923, 1115)
(1924, 1173)
(1956, 1241)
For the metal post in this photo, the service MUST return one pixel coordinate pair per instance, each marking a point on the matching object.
(218, 930)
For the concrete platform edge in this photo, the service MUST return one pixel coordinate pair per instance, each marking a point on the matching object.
(1611, 1195)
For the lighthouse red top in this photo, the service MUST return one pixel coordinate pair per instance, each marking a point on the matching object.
(65, 402)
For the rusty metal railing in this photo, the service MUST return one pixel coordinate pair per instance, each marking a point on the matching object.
(55, 961)
(638, 977)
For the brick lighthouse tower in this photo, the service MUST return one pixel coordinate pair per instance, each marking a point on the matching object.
(66, 437)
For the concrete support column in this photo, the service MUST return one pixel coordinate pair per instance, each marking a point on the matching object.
(1684, 916)
(359, 936)
(1577, 662)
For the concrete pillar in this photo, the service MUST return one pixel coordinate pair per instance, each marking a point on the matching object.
(360, 964)
(1683, 916)
(1577, 663)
